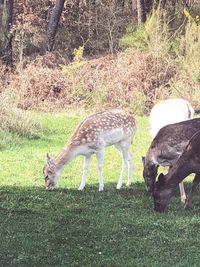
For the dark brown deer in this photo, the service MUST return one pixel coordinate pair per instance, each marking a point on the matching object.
(167, 147)
(170, 111)
(189, 162)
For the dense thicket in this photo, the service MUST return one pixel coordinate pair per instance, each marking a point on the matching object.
(99, 53)
(28, 27)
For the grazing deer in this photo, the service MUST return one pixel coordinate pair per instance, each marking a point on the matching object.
(167, 112)
(112, 127)
(189, 162)
(167, 147)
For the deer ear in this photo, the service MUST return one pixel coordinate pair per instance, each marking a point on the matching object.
(50, 163)
(48, 157)
(49, 160)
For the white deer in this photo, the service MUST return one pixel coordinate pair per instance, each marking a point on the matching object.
(112, 127)
(167, 112)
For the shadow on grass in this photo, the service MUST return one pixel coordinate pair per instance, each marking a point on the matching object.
(90, 228)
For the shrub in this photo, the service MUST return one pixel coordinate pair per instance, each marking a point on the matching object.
(187, 84)
(4, 76)
(16, 121)
(179, 49)
(107, 82)
(131, 76)
(134, 37)
(138, 103)
(189, 51)
(153, 36)
(42, 85)
(186, 88)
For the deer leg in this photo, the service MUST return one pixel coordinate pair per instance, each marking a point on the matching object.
(100, 159)
(130, 169)
(84, 174)
(125, 156)
(195, 184)
(182, 192)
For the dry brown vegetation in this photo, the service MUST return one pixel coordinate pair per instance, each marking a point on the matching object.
(166, 65)
(132, 79)
(15, 120)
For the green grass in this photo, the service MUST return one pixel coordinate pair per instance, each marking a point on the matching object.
(71, 228)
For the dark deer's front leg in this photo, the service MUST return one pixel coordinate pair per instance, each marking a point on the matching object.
(195, 184)
(182, 190)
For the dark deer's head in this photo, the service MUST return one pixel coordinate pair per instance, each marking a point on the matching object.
(162, 193)
(150, 172)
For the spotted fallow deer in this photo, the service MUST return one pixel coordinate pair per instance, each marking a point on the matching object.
(167, 112)
(112, 127)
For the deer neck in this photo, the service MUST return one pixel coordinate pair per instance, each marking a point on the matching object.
(65, 156)
(178, 172)
(151, 156)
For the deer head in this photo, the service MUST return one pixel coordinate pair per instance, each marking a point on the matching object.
(150, 171)
(161, 193)
(51, 173)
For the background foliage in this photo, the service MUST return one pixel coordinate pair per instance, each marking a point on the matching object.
(104, 55)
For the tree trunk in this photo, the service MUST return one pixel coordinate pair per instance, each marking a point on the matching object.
(1, 26)
(148, 6)
(163, 3)
(6, 11)
(91, 19)
(1, 11)
(173, 13)
(130, 5)
(141, 11)
(159, 4)
(119, 6)
(53, 26)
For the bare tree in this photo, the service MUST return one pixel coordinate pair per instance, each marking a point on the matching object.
(149, 6)
(91, 18)
(119, 6)
(159, 4)
(6, 20)
(1, 26)
(141, 11)
(53, 26)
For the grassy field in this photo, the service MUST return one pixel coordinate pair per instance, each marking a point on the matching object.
(71, 228)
